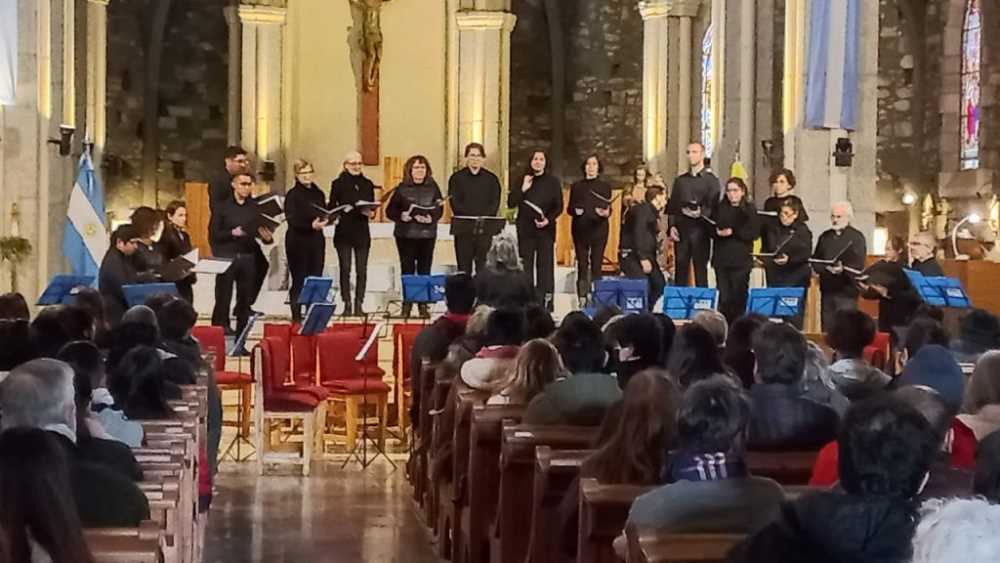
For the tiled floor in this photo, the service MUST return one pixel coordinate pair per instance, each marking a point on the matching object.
(335, 515)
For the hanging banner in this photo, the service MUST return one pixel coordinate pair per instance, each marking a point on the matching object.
(832, 71)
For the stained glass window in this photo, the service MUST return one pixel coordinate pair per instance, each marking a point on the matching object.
(972, 41)
(706, 92)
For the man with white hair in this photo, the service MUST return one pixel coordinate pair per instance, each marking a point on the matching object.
(39, 394)
(352, 237)
(923, 254)
(840, 248)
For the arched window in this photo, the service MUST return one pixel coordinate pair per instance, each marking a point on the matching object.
(972, 41)
(707, 129)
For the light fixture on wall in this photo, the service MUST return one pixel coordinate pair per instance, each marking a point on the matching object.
(843, 152)
(65, 140)
(972, 219)
(268, 171)
(909, 198)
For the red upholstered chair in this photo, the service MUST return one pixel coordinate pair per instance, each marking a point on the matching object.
(281, 331)
(877, 353)
(403, 337)
(354, 383)
(303, 363)
(277, 401)
(213, 339)
(280, 361)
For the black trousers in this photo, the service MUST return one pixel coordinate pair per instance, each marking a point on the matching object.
(695, 246)
(632, 268)
(305, 258)
(538, 255)
(260, 275)
(416, 255)
(359, 250)
(733, 285)
(185, 288)
(243, 273)
(589, 259)
(470, 251)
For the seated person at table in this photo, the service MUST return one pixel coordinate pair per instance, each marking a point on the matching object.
(886, 452)
(959, 530)
(585, 394)
(855, 378)
(711, 490)
(783, 418)
(695, 356)
(39, 394)
(40, 519)
(537, 364)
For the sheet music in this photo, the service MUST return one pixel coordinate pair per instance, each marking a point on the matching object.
(535, 207)
(212, 266)
(768, 213)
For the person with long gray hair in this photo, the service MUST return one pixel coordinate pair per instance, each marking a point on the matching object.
(503, 282)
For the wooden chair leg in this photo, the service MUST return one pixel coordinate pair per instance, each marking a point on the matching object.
(308, 430)
(245, 407)
(383, 411)
(261, 439)
(351, 421)
(319, 432)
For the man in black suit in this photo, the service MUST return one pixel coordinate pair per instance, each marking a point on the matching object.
(474, 192)
(39, 394)
(846, 246)
(219, 189)
(693, 197)
(639, 242)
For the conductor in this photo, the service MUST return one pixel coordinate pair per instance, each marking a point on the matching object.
(475, 192)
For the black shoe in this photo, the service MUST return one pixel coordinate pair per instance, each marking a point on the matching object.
(241, 353)
(228, 331)
(347, 312)
(258, 313)
(424, 310)
(358, 309)
(407, 309)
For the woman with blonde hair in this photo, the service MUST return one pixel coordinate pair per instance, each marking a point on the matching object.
(305, 245)
(503, 282)
(537, 364)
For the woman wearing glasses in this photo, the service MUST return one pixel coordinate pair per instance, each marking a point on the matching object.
(352, 237)
(304, 242)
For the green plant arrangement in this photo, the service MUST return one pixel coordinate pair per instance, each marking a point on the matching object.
(15, 250)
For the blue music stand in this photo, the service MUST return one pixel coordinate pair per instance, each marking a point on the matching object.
(423, 288)
(317, 318)
(948, 292)
(60, 289)
(776, 302)
(685, 302)
(241, 339)
(316, 289)
(629, 295)
(138, 293)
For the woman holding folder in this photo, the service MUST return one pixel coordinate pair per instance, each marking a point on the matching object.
(788, 264)
(416, 207)
(176, 242)
(352, 236)
(305, 245)
(590, 207)
(538, 199)
(736, 227)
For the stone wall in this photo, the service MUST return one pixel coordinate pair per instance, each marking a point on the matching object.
(192, 108)
(603, 85)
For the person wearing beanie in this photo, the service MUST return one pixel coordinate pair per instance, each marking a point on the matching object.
(933, 366)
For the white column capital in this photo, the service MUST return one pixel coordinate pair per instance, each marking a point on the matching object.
(684, 8)
(477, 20)
(231, 14)
(262, 14)
(657, 9)
(99, 2)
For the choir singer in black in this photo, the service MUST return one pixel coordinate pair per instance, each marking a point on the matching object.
(838, 247)
(416, 207)
(474, 192)
(736, 227)
(538, 199)
(175, 241)
(590, 207)
(694, 195)
(305, 245)
(236, 225)
(789, 264)
(352, 236)
(637, 249)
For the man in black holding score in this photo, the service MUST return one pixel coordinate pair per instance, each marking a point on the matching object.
(474, 192)
(638, 243)
(693, 197)
(839, 247)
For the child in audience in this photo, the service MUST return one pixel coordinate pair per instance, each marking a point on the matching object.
(537, 364)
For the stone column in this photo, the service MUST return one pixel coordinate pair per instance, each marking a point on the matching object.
(654, 82)
(97, 77)
(680, 79)
(233, 120)
(261, 84)
(484, 85)
(809, 152)
(738, 139)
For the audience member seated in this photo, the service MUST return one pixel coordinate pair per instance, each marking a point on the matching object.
(40, 519)
(39, 394)
(632, 447)
(90, 299)
(432, 342)
(537, 364)
(694, 357)
(132, 334)
(978, 331)
(980, 414)
(637, 344)
(715, 323)
(668, 331)
(55, 327)
(503, 282)
(887, 448)
(711, 490)
(13, 307)
(854, 377)
(16, 345)
(605, 313)
(585, 394)
(957, 530)
(538, 322)
(816, 383)
(922, 331)
(935, 367)
(986, 482)
(783, 418)
(503, 337)
(738, 355)
(138, 385)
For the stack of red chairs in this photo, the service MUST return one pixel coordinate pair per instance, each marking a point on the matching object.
(212, 338)
(351, 381)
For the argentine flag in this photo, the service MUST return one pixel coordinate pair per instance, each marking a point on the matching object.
(86, 239)
(832, 68)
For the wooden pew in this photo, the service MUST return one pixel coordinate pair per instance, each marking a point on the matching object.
(555, 472)
(438, 399)
(603, 512)
(127, 545)
(479, 506)
(650, 546)
(418, 464)
(787, 468)
(453, 492)
(512, 528)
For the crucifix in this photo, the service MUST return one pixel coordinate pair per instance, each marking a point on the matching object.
(370, 43)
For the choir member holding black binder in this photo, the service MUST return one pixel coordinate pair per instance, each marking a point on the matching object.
(176, 242)
(538, 199)
(782, 188)
(352, 235)
(838, 247)
(305, 245)
(416, 206)
(693, 197)
(236, 225)
(475, 200)
(590, 207)
(788, 264)
(736, 226)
